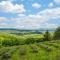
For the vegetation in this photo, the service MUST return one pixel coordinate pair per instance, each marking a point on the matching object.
(47, 36)
(41, 51)
(30, 46)
(57, 34)
(11, 40)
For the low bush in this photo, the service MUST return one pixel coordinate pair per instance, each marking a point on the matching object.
(34, 49)
(29, 40)
(23, 51)
(6, 56)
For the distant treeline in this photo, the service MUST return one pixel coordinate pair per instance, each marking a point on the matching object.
(21, 32)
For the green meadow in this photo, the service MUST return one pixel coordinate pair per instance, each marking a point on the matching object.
(30, 46)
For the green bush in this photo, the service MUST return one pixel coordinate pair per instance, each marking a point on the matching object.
(6, 56)
(22, 51)
(34, 49)
(29, 40)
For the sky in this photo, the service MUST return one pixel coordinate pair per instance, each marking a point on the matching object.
(29, 14)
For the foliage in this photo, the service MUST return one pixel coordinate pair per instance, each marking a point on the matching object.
(30, 40)
(34, 49)
(41, 51)
(22, 51)
(11, 40)
(57, 34)
(29, 47)
(47, 36)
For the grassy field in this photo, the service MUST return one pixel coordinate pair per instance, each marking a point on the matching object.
(38, 51)
(12, 49)
(12, 39)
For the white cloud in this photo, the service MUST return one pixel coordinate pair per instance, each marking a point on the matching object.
(51, 13)
(21, 15)
(2, 19)
(50, 25)
(28, 22)
(50, 5)
(24, 22)
(40, 20)
(7, 6)
(36, 5)
(37, 21)
(57, 1)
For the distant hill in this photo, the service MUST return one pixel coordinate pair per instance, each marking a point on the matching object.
(20, 31)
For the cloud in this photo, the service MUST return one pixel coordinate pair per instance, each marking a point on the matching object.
(7, 6)
(28, 22)
(51, 5)
(57, 1)
(2, 19)
(53, 13)
(36, 21)
(40, 20)
(6, 0)
(49, 25)
(21, 15)
(24, 22)
(36, 5)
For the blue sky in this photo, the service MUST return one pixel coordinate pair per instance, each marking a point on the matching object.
(29, 14)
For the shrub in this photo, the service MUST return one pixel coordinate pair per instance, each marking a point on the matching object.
(6, 56)
(34, 49)
(22, 51)
(39, 40)
(29, 40)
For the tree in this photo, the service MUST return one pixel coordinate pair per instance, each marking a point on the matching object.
(57, 34)
(47, 36)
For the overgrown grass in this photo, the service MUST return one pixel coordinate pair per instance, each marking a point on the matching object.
(40, 51)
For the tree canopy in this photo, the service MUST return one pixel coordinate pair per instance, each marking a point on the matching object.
(57, 33)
